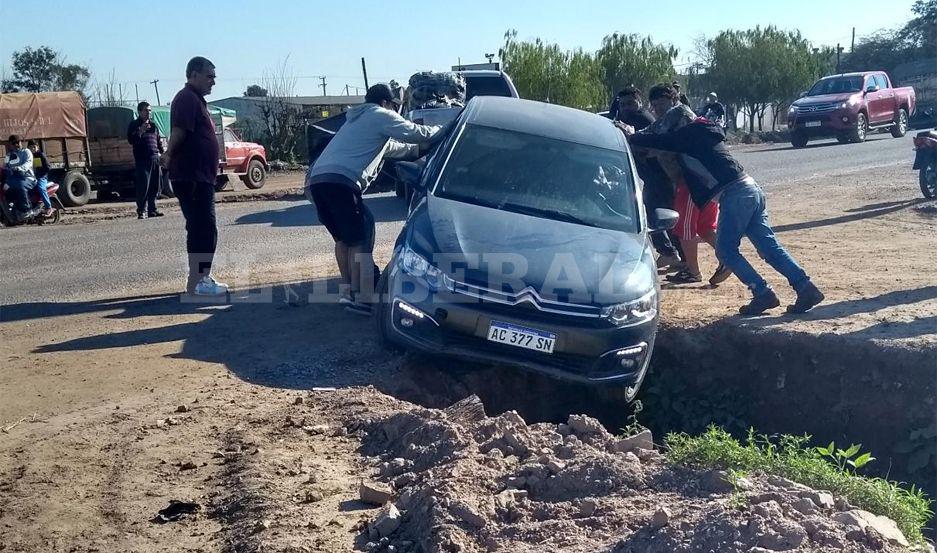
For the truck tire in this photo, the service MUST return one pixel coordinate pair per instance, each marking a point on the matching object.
(256, 175)
(799, 139)
(75, 190)
(859, 132)
(900, 128)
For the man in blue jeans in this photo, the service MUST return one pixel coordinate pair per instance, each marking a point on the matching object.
(712, 173)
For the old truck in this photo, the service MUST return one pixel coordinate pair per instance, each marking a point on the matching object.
(850, 105)
(57, 121)
(112, 155)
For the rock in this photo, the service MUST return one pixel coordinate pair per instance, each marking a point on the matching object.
(587, 507)
(374, 493)
(261, 525)
(642, 440)
(516, 482)
(298, 400)
(854, 533)
(182, 409)
(765, 497)
(582, 424)
(805, 506)
(313, 496)
(822, 500)
(883, 525)
(563, 429)
(511, 438)
(552, 465)
(188, 465)
(160, 423)
(317, 429)
(842, 505)
(716, 481)
(648, 455)
(387, 521)
(744, 484)
(784, 536)
(661, 518)
(508, 498)
(782, 482)
(467, 513)
(513, 418)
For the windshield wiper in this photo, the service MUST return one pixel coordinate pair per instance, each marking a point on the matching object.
(550, 214)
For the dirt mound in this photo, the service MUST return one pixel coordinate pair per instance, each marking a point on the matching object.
(463, 481)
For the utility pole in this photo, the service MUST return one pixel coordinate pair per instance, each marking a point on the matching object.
(852, 45)
(136, 92)
(322, 85)
(153, 82)
(364, 70)
(346, 90)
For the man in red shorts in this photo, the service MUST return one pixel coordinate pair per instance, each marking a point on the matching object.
(696, 223)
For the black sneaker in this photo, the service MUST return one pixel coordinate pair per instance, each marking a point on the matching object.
(685, 277)
(359, 308)
(760, 304)
(807, 299)
(140, 215)
(721, 275)
(154, 214)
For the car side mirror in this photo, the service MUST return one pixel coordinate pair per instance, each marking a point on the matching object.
(410, 173)
(663, 219)
(872, 88)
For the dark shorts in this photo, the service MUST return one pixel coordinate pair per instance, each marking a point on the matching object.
(343, 213)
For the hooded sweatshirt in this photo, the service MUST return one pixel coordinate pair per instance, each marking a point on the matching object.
(370, 133)
(707, 165)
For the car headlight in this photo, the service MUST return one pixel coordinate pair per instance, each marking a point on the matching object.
(793, 109)
(849, 103)
(419, 267)
(633, 312)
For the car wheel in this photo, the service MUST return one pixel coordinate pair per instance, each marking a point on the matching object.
(928, 180)
(256, 175)
(901, 124)
(861, 129)
(799, 139)
(842, 138)
(75, 190)
(383, 313)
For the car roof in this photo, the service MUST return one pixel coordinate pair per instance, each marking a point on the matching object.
(481, 73)
(542, 119)
(854, 74)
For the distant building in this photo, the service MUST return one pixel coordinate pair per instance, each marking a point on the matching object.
(312, 108)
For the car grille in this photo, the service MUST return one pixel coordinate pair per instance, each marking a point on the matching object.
(528, 297)
(818, 108)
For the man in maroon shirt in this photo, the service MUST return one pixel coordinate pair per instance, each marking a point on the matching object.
(192, 160)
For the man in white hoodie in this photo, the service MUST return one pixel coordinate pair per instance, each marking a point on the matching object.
(372, 131)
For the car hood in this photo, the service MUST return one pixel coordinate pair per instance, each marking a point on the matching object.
(561, 261)
(823, 99)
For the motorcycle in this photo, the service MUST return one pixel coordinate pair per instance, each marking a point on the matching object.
(925, 161)
(10, 217)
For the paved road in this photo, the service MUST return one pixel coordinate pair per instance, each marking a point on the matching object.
(124, 256)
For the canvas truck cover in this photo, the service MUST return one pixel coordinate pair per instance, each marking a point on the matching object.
(42, 115)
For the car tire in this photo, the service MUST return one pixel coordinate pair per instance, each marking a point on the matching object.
(900, 128)
(928, 180)
(861, 129)
(842, 138)
(383, 314)
(799, 139)
(256, 175)
(75, 190)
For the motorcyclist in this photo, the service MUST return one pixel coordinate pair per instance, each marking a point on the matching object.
(19, 174)
(41, 172)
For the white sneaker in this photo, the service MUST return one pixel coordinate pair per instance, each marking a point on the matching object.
(209, 287)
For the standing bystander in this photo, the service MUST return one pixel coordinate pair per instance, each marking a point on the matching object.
(147, 147)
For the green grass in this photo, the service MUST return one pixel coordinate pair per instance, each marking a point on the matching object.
(791, 458)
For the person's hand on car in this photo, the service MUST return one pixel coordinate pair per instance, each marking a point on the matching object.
(625, 128)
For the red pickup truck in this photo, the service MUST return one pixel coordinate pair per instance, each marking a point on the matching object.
(848, 106)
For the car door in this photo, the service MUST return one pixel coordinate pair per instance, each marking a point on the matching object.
(873, 100)
(889, 102)
(235, 152)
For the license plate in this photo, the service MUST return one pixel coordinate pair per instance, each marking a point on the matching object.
(812, 124)
(522, 337)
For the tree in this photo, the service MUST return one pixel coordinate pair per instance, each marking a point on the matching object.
(44, 70)
(282, 122)
(633, 60)
(887, 49)
(255, 91)
(921, 32)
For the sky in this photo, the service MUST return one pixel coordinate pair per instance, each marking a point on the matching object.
(138, 41)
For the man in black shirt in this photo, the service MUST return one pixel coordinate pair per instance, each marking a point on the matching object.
(147, 147)
(658, 190)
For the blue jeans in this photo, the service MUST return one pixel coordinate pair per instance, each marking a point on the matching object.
(742, 212)
(42, 184)
(147, 177)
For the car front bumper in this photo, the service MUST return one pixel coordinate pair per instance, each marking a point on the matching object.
(826, 124)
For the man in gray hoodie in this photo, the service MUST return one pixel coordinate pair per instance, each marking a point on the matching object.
(372, 131)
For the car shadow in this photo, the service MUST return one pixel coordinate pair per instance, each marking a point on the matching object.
(384, 208)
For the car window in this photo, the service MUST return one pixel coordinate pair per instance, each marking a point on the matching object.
(486, 86)
(230, 136)
(542, 177)
(881, 82)
(836, 85)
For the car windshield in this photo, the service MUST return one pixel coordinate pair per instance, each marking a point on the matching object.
(542, 177)
(836, 86)
(486, 86)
